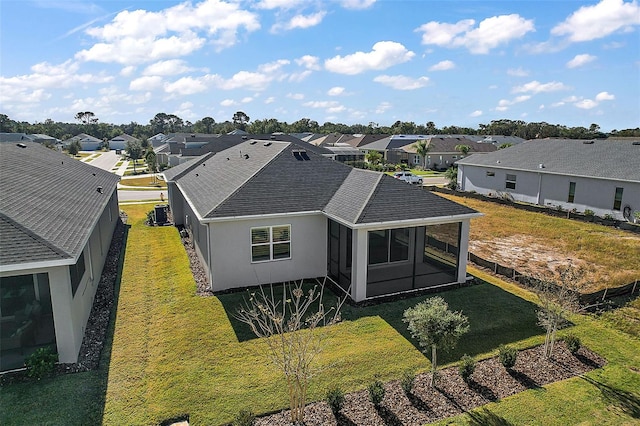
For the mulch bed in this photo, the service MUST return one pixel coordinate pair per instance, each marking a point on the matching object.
(451, 396)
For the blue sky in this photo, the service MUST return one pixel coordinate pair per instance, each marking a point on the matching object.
(345, 61)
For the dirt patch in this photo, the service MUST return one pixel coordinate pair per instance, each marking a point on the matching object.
(452, 396)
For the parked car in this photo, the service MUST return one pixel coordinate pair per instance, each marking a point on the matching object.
(408, 177)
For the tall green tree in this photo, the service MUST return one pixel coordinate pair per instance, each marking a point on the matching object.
(240, 120)
(74, 148)
(435, 327)
(86, 117)
(452, 175)
(134, 152)
(463, 149)
(422, 147)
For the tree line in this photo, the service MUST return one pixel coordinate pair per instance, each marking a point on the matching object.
(88, 123)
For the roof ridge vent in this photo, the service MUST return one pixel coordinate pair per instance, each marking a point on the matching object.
(267, 143)
(587, 142)
(635, 143)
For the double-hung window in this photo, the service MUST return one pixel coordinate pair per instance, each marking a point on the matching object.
(572, 192)
(270, 243)
(617, 200)
(510, 182)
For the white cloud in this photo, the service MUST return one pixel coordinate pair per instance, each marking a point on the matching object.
(401, 82)
(246, 100)
(309, 62)
(146, 83)
(586, 104)
(357, 4)
(476, 113)
(141, 36)
(443, 66)
(383, 55)
(127, 71)
(489, 34)
(322, 104)
(537, 87)
(186, 86)
(299, 76)
(604, 96)
(278, 4)
(517, 72)
(600, 20)
(383, 107)
(335, 91)
(227, 102)
(300, 21)
(169, 67)
(296, 96)
(504, 104)
(580, 60)
(270, 100)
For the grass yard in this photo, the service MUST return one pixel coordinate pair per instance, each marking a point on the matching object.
(175, 353)
(535, 242)
(144, 182)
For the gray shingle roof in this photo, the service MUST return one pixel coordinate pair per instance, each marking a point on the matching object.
(618, 160)
(267, 177)
(49, 203)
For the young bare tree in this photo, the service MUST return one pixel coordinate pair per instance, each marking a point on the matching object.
(291, 324)
(556, 301)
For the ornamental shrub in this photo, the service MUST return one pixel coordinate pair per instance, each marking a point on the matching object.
(507, 356)
(335, 399)
(467, 367)
(408, 381)
(573, 343)
(376, 393)
(244, 418)
(41, 363)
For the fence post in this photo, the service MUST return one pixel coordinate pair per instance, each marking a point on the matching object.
(604, 294)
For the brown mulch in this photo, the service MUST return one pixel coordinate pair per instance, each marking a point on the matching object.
(451, 396)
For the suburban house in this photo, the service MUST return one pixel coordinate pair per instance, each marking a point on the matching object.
(119, 143)
(598, 175)
(268, 211)
(57, 217)
(442, 152)
(87, 142)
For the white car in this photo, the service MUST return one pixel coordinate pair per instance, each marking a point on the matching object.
(408, 177)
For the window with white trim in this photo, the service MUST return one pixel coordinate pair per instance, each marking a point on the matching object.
(510, 182)
(270, 243)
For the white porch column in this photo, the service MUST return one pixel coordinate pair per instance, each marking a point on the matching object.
(61, 301)
(463, 251)
(359, 248)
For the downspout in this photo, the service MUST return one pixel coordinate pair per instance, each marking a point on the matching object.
(210, 255)
(539, 188)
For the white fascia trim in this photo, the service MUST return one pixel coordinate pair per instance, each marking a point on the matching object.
(261, 216)
(38, 265)
(547, 172)
(408, 222)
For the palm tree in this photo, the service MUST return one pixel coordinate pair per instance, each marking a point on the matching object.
(422, 147)
(463, 149)
(373, 157)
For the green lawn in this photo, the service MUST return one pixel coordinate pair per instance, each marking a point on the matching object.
(175, 353)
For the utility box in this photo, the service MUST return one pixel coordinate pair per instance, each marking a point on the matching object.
(160, 214)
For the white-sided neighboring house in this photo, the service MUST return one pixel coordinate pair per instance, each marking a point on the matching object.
(268, 211)
(598, 175)
(87, 142)
(120, 142)
(57, 217)
(157, 140)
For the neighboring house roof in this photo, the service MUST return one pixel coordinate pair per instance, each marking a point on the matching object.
(49, 205)
(13, 137)
(344, 149)
(82, 137)
(271, 177)
(587, 158)
(124, 138)
(441, 145)
(494, 139)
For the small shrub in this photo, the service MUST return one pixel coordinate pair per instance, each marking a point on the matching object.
(335, 399)
(467, 367)
(151, 217)
(244, 418)
(41, 363)
(573, 343)
(589, 212)
(407, 381)
(608, 216)
(376, 393)
(507, 356)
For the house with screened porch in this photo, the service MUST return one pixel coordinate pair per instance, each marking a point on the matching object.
(267, 211)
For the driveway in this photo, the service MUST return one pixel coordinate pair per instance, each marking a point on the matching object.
(106, 160)
(132, 195)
